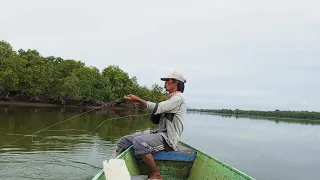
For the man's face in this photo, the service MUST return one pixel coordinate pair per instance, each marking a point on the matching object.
(169, 85)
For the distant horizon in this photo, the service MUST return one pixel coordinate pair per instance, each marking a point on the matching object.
(249, 109)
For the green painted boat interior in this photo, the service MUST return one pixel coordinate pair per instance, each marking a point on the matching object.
(186, 164)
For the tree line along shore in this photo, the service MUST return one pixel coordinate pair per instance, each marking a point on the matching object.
(307, 115)
(27, 76)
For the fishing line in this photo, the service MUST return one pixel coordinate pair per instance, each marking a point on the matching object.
(55, 124)
(94, 128)
(11, 134)
(49, 127)
(67, 130)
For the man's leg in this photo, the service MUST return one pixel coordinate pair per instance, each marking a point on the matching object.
(146, 144)
(126, 141)
(148, 159)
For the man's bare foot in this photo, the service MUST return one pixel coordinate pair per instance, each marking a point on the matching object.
(156, 176)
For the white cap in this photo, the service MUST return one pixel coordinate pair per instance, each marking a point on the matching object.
(175, 75)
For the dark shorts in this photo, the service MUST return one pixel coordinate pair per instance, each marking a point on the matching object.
(143, 142)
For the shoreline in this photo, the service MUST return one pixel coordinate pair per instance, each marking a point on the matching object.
(258, 116)
(23, 103)
(89, 106)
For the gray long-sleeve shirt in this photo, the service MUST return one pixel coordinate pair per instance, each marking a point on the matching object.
(170, 129)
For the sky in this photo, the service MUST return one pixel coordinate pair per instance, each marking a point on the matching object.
(248, 54)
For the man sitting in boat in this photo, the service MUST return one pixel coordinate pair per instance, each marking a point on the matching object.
(169, 116)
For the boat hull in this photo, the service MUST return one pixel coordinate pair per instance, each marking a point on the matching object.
(188, 164)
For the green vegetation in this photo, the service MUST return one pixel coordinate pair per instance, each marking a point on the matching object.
(277, 113)
(25, 75)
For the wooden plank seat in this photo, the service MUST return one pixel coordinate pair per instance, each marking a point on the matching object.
(184, 154)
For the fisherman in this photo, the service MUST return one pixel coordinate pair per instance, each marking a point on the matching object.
(168, 114)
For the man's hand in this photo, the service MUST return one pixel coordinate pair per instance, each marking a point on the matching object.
(135, 98)
(131, 97)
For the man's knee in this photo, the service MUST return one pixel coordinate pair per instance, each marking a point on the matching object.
(123, 144)
(122, 139)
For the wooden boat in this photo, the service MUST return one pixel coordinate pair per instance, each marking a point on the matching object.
(186, 164)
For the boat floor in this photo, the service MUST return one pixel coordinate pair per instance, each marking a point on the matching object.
(171, 164)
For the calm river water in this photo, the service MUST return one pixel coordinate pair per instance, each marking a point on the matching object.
(75, 149)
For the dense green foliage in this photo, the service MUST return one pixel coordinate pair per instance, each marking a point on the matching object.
(277, 113)
(26, 75)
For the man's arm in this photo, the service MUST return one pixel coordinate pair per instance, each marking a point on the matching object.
(147, 104)
(143, 102)
(167, 105)
(135, 98)
(164, 106)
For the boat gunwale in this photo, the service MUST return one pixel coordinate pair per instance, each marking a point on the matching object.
(221, 162)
